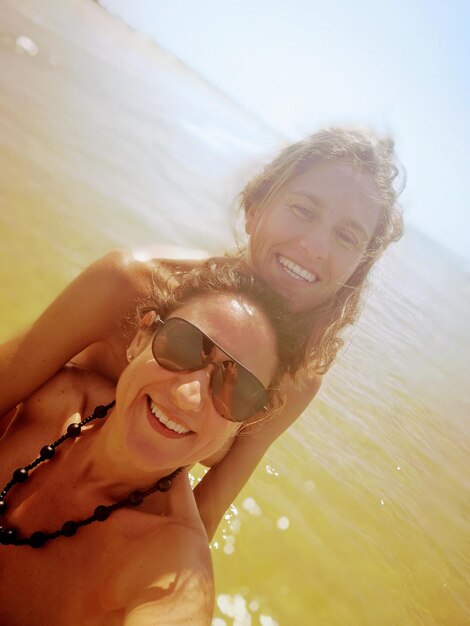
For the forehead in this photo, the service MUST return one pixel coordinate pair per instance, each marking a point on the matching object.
(240, 328)
(348, 190)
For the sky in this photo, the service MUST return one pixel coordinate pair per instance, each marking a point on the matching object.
(400, 67)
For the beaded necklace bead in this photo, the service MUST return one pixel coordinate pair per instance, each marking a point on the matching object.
(11, 536)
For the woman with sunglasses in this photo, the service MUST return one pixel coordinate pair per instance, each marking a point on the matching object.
(83, 461)
(317, 217)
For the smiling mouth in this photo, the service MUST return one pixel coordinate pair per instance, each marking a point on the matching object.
(165, 420)
(296, 271)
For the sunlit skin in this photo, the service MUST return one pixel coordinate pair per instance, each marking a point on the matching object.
(305, 241)
(322, 220)
(135, 569)
(185, 397)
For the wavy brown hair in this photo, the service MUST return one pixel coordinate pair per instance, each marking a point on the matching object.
(359, 149)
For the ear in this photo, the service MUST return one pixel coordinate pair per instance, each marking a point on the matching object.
(139, 342)
(141, 338)
(251, 218)
(148, 318)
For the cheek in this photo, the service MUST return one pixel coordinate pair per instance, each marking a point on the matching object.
(269, 227)
(124, 385)
(223, 433)
(346, 263)
(225, 429)
(134, 378)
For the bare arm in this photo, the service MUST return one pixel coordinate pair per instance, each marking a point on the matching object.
(224, 481)
(87, 311)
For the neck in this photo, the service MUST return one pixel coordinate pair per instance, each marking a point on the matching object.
(100, 462)
(9, 535)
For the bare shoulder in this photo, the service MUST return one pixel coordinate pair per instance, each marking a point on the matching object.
(135, 264)
(132, 270)
(71, 391)
(169, 252)
(167, 578)
(165, 572)
(119, 269)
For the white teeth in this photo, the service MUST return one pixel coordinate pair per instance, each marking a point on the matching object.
(294, 270)
(166, 421)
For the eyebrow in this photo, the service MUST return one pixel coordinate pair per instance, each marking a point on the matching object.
(357, 226)
(351, 221)
(309, 196)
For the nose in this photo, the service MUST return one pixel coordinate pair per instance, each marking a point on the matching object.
(315, 242)
(188, 395)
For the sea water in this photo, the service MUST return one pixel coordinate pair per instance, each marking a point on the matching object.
(359, 514)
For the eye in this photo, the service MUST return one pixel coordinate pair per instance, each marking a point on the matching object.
(347, 238)
(302, 212)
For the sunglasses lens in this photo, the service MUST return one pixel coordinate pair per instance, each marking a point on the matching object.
(237, 394)
(179, 346)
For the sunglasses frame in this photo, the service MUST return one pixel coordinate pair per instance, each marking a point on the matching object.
(161, 323)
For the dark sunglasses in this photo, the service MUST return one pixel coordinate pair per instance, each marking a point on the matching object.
(180, 346)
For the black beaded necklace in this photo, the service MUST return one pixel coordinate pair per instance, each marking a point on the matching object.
(10, 536)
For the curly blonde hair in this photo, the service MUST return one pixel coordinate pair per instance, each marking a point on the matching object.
(372, 154)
